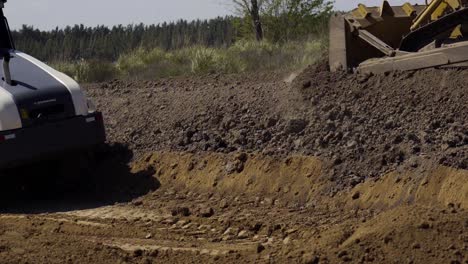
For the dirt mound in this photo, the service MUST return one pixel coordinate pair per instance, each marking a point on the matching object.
(330, 168)
(368, 125)
(363, 126)
(294, 179)
(211, 113)
(438, 185)
(297, 180)
(232, 208)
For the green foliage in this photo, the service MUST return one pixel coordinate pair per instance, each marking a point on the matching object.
(95, 71)
(244, 56)
(286, 20)
(88, 71)
(132, 62)
(204, 60)
(295, 35)
(153, 64)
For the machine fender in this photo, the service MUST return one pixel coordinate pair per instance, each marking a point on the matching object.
(9, 115)
(78, 97)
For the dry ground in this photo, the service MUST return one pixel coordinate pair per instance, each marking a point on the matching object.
(329, 168)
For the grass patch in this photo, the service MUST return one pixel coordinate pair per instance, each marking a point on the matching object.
(88, 71)
(243, 56)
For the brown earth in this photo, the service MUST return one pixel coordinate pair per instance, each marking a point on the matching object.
(364, 126)
(328, 168)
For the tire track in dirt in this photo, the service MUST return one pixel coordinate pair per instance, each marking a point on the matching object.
(330, 168)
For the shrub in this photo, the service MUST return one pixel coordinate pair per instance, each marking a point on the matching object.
(243, 56)
(96, 71)
(204, 60)
(132, 62)
(88, 71)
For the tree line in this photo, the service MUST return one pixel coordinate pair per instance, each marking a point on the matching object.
(277, 21)
(104, 43)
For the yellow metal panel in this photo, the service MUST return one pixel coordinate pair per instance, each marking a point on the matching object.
(439, 11)
(361, 11)
(435, 10)
(454, 4)
(409, 9)
(426, 14)
(456, 33)
(442, 8)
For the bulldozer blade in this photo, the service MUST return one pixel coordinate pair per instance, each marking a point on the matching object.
(454, 55)
(337, 49)
(346, 48)
(368, 32)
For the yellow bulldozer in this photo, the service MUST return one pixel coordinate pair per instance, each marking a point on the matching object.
(400, 38)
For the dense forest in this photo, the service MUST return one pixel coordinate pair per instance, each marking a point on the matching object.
(80, 42)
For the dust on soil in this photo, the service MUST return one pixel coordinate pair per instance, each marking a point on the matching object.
(328, 168)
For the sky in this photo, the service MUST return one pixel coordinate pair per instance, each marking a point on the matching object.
(47, 14)
(350, 4)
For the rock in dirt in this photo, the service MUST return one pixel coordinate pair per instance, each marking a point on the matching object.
(234, 231)
(260, 248)
(310, 259)
(306, 84)
(137, 252)
(243, 234)
(236, 166)
(182, 211)
(424, 225)
(295, 126)
(356, 195)
(206, 212)
(224, 204)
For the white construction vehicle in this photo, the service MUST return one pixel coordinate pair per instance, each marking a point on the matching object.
(43, 113)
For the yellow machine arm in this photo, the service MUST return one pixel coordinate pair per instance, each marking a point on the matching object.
(435, 10)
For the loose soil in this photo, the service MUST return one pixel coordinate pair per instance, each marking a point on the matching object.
(325, 168)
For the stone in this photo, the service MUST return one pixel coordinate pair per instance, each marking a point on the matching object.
(183, 211)
(356, 195)
(243, 234)
(260, 248)
(241, 157)
(236, 166)
(206, 212)
(424, 225)
(137, 253)
(232, 231)
(295, 126)
(342, 253)
(227, 238)
(310, 259)
(137, 203)
(224, 203)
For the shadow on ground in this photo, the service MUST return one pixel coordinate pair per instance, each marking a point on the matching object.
(73, 184)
